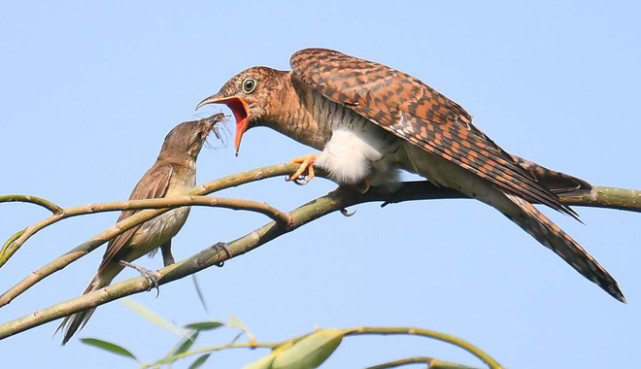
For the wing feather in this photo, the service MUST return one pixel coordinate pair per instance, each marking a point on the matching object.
(415, 112)
(152, 185)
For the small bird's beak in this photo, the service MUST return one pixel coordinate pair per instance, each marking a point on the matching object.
(238, 106)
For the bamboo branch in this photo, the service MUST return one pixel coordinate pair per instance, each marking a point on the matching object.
(210, 256)
(336, 200)
(140, 217)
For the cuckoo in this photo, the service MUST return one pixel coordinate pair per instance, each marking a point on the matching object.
(369, 121)
(173, 173)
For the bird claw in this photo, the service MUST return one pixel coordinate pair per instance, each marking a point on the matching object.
(150, 275)
(347, 213)
(305, 171)
(301, 180)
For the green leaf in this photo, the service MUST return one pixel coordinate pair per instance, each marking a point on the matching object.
(109, 346)
(235, 322)
(199, 292)
(311, 351)
(198, 362)
(184, 344)
(153, 317)
(204, 326)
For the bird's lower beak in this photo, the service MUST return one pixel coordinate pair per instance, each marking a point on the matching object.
(238, 106)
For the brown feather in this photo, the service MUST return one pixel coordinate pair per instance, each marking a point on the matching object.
(415, 112)
(152, 185)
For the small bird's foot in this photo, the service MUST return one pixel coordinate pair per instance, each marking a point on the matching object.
(150, 275)
(223, 246)
(305, 171)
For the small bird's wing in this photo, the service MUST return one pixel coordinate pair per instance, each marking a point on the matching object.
(152, 185)
(415, 112)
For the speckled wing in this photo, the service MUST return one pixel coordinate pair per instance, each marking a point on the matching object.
(415, 112)
(152, 185)
(556, 182)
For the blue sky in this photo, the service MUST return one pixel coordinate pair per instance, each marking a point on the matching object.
(90, 90)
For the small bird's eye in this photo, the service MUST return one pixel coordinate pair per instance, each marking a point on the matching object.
(249, 85)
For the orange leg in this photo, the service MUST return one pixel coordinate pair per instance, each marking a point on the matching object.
(306, 169)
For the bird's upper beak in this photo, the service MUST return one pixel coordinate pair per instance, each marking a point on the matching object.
(240, 110)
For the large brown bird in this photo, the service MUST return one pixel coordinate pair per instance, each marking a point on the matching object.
(370, 120)
(173, 173)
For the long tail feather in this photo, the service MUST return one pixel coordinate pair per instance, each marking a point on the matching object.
(552, 236)
(74, 322)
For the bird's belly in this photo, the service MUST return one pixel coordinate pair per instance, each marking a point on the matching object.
(358, 151)
(159, 230)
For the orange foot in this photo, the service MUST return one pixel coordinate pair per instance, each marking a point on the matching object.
(305, 170)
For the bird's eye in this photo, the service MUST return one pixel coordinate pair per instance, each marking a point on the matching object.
(249, 85)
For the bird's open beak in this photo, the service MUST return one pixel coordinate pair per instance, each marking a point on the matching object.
(238, 106)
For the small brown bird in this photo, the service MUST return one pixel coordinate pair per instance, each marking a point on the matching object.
(370, 120)
(173, 173)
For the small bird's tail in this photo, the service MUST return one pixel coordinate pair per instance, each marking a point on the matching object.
(552, 236)
(75, 321)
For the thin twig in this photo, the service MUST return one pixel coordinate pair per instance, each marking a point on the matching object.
(205, 258)
(140, 217)
(236, 204)
(33, 200)
(206, 349)
(487, 359)
(431, 363)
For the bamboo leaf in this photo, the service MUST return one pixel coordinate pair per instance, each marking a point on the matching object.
(153, 317)
(109, 346)
(184, 344)
(199, 362)
(237, 323)
(205, 326)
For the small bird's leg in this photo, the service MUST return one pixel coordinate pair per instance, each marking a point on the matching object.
(167, 257)
(306, 169)
(150, 275)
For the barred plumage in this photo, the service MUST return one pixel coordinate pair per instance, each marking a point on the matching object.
(370, 120)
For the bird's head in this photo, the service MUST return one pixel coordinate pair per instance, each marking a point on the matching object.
(251, 96)
(187, 138)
